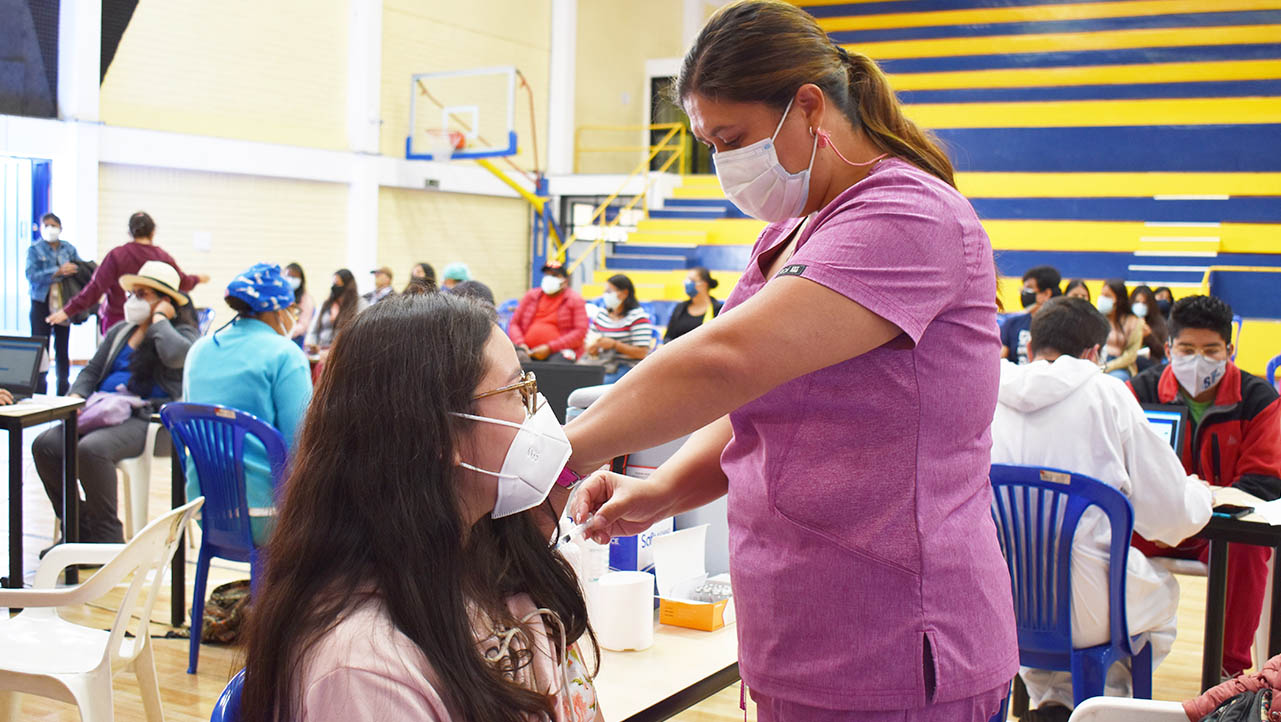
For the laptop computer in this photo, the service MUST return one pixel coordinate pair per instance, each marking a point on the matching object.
(1170, 421)
(20, 362)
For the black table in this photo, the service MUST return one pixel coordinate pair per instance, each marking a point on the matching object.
(1220, 532)
(13, 419)
(558, 379)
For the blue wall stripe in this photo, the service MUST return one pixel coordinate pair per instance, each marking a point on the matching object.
(1123, 56)
(915, 6)
(1116, 149)
(1248, 209)
(1101, 264)
(1196, 21)
(1211, 89)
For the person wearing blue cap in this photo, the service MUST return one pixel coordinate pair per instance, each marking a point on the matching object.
(251, 365)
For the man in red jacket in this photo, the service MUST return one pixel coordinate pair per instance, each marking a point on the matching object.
(550, 319)
(1235, 440)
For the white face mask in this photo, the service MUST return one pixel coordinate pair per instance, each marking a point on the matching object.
(1196, 373)
(611, 300)
(1106, 304)
(1140, 309)
(294, 282)
(533, 462)
(50, 233)
(552, 285)
(136, 310)
(754, 180)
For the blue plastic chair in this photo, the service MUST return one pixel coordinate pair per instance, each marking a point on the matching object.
(215, 437)
(227, 708)
(506, 310)
(204, 319)
(1271, 373)
(1036, 512)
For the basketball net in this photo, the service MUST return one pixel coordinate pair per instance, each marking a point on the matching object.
(444, 143)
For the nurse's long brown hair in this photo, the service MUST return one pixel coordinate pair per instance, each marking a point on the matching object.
(371, 508)
(763, 51)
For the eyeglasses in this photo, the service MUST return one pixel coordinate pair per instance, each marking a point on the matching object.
(528, 387)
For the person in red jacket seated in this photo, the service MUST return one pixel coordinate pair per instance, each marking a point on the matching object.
(550, 319)
(1235, 440)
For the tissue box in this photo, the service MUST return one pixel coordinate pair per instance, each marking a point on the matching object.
(679, 570)
(636, 553)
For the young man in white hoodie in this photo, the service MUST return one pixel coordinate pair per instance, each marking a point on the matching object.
(1061, 411)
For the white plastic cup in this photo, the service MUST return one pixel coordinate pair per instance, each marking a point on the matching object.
(622, 610)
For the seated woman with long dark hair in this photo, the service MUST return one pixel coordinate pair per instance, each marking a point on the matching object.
(142, 356)
(409, 578)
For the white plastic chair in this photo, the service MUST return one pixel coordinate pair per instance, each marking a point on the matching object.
(137, 482)
(1124, 709)
(48, 656)
(1194, 568)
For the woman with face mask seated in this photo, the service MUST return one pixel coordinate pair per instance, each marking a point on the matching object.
(141, 356)
(699, 309)
(335, 313)
(251, 365)
(415, 582)
(622, 332)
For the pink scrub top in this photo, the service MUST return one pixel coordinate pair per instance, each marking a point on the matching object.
(865, 564)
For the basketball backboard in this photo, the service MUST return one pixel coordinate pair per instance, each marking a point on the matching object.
(462, 114)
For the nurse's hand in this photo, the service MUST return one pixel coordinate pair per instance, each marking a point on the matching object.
(618, 505)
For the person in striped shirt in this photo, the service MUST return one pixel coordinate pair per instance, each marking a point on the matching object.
(621, 333)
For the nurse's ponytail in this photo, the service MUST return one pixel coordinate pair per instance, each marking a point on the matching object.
(763, 51)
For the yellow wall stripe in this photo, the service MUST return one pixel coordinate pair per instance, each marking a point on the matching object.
(1096, 113)
(1120, 185)
(1040, 13)
(1038, 43)
(1073, 185)
(1091, 75)
(1124, 236)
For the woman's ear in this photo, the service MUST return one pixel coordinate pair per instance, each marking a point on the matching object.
(812, 103)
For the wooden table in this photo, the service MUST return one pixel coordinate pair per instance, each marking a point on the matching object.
(14, 418)
(681, 669)
(1250, 529)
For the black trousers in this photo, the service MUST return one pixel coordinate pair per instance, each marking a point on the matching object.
(62, 356)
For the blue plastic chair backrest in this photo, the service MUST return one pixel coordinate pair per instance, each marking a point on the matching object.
(204, 319)
(227, 708)
(215, 438)
(1036, 512)
(1271, 374)
(506, 310)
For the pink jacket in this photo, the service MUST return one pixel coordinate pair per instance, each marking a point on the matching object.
(571, 320)
(1198, 707)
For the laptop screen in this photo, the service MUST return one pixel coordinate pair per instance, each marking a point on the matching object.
(19, 360)
(1167, 421)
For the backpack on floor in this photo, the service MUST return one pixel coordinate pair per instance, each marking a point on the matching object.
(1245, 707)
(225, 612)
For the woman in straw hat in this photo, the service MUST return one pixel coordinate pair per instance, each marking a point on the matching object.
(142, 356)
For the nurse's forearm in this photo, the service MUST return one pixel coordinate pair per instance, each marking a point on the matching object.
(693, 476)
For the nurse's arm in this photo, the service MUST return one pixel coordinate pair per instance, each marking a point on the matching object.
(791, 327)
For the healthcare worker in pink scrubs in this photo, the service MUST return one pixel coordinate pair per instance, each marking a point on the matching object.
(842, 400)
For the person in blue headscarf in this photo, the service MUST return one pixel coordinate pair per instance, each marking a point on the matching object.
(251, 365)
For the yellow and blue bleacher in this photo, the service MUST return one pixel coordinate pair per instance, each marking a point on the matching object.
(1138, 139)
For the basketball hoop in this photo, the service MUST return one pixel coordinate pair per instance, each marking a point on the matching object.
(444, 143)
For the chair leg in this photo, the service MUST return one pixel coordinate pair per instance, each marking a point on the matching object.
(93, 695)
(1141, 672)
(144, 668)
(198, 609)
(1088, 676)
(131, 526)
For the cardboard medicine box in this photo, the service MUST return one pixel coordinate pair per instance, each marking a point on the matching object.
(687, 596)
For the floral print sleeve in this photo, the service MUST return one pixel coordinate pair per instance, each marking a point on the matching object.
(581, 692)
